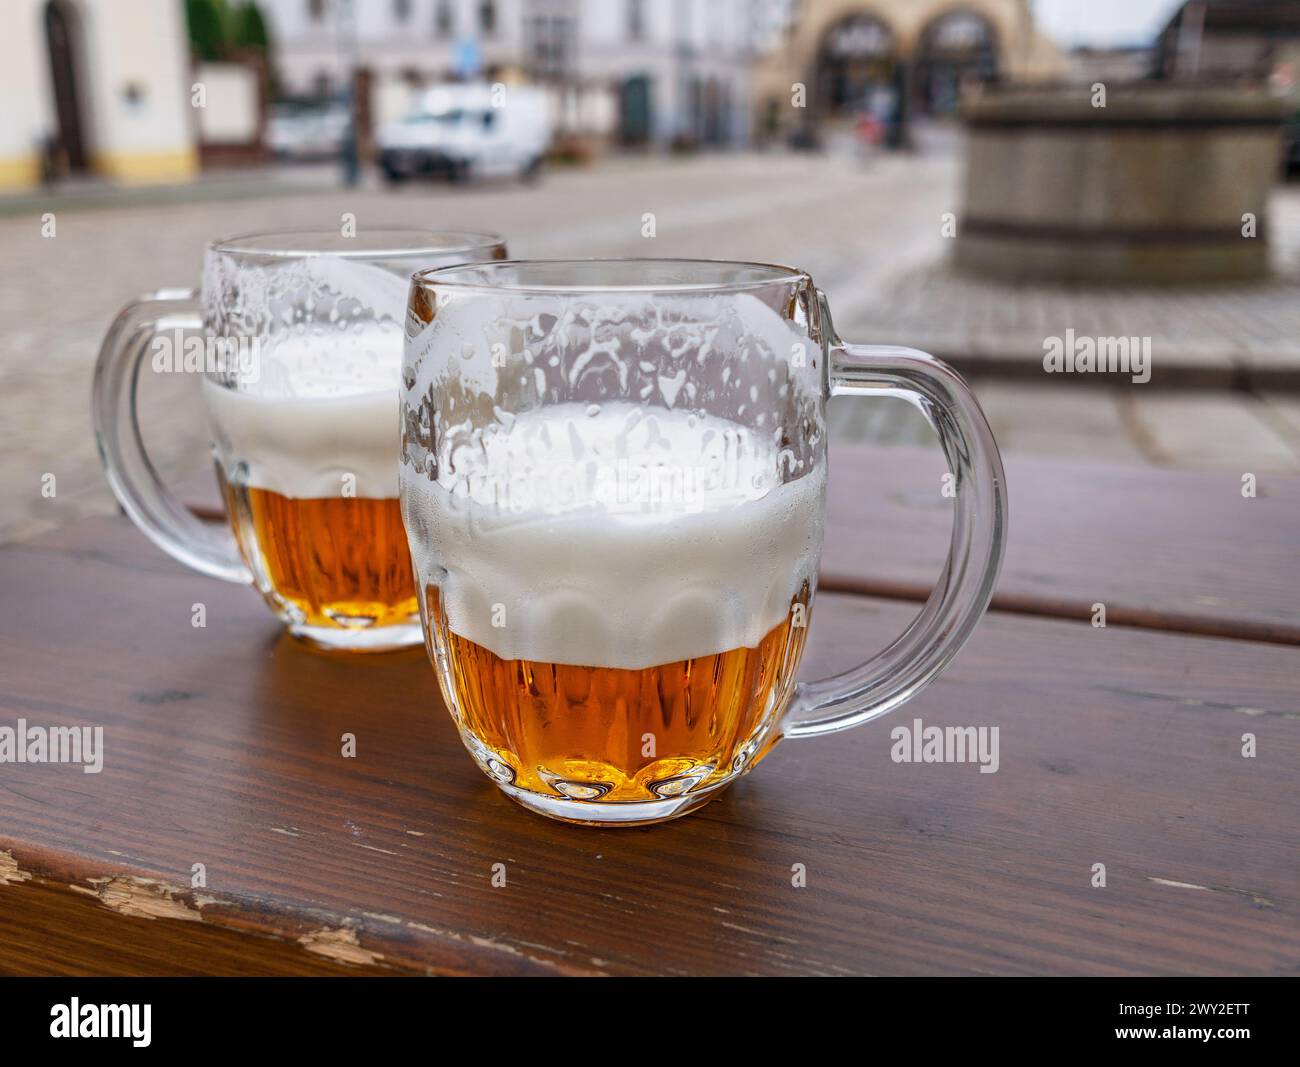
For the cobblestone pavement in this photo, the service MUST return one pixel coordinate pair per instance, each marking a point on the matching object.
(868, 232)
(1213, 335)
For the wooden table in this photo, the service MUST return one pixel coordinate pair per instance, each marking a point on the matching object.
(1118, 746)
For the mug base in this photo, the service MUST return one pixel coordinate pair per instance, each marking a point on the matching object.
(625, 813)
(380, 639)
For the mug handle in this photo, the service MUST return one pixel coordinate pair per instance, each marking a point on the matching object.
(207, 547)
(965, 585)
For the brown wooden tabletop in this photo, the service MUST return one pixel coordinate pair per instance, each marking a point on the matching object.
(1119, 746)
(1168, 550)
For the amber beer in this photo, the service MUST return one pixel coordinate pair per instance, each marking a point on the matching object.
(338, 561)
(604, 733)
(310, 479)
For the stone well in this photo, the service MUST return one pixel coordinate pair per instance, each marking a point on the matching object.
(1153, 187)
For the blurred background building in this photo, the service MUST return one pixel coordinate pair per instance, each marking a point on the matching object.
(88, 85)
(157, 90)
(635, 71)
(896, 57)
(1230, 40)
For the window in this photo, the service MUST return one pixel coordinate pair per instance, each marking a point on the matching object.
(549, 46)
(444, 20)
(487, 17)
(402, 10)
(635, 20)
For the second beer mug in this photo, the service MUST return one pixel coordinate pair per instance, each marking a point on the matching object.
(613, 481)
(300, 346)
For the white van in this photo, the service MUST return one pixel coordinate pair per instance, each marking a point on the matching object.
(465, 130)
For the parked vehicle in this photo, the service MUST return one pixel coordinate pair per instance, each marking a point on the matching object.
(468, 131)
(307, 129)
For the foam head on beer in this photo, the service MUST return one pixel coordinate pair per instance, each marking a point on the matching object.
(614, 509)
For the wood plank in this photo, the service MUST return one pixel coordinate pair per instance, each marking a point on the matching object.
(1117, 746)
(1168, 550)
(1165, 550)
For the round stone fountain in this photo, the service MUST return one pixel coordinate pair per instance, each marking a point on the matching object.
(1164, 183)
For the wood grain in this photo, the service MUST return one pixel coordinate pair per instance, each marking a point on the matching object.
(1117, 746)
(1167, 550)
(1163, 550)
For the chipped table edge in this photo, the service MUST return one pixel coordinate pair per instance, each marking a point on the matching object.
(364, 941)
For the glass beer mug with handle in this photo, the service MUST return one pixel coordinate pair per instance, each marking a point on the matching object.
(613, 482)
(298, 336)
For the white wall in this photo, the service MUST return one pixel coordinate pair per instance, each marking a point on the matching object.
(119, 45)
(305, 47)
(142, 43)
(232, 110)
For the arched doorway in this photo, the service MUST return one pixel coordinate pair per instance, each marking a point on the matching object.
(855, 65)
(956, 49)
(62, 36)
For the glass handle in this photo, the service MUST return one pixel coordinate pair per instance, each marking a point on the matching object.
(207, 547)
(966, 583)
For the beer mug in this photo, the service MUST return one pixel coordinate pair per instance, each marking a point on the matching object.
(613, 482)
(298, 337)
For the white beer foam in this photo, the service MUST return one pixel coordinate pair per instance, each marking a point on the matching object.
(554, 545)
(324, 406)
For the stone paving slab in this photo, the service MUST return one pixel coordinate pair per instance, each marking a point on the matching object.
(1224, 336)
(1169, 428)
(1068, 422)
(1211, 432)
(1282, 411)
